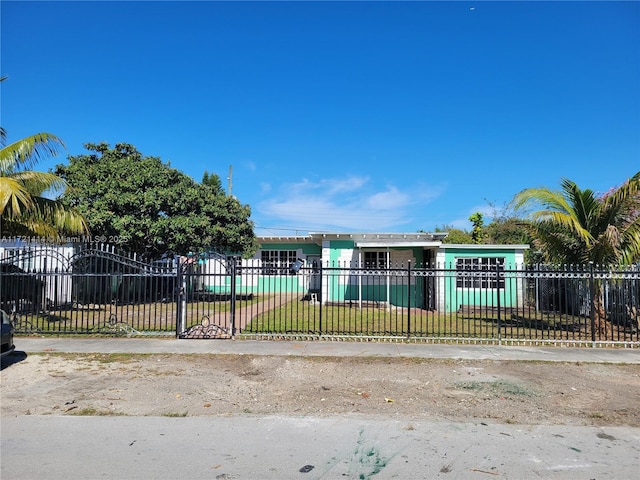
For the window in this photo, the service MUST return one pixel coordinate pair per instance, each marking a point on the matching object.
(373, 260)
(486, 272)
(238, 264)
(277, 262)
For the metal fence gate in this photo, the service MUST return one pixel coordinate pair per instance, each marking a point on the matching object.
(87, 289)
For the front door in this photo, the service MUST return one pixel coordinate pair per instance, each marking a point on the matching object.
(313, 265)
(429, 282)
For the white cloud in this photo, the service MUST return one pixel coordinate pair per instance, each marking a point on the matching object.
(265, 187)
(346, 204)
(350, 184)
(390, 199)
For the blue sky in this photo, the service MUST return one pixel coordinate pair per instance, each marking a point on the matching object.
(339, 116)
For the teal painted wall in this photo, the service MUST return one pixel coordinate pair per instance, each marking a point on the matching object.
(451, 254)
(307, 248)
(457, 297)
(378, 293)
(342, 285)
(264, 284)
(418, 290)
(281, 283)
(337, 291)
(336, 247)
(353, 287)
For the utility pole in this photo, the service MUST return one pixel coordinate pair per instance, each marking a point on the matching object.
(229, 180)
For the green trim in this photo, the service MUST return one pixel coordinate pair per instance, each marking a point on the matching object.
(307, 248)
(336, 247)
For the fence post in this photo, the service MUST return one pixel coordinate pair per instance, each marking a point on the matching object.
(592, 296)
(180, 287)
(408, 299)
(320, 298)
(498, 302)
(233, 295)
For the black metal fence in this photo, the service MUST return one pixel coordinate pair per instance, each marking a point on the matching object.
(93, 289)
(86, 289)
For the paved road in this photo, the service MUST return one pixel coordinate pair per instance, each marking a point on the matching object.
(264, 448)
(286, 447)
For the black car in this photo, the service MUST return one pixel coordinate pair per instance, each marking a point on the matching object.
(19, 289)
(7, 335)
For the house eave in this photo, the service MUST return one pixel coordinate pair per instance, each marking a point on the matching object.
(374, 244)
(379, 240)
(475, 246)
(292, 239)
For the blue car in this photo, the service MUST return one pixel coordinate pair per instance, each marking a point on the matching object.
(7, 335)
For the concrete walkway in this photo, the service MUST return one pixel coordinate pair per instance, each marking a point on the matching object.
(327, 348)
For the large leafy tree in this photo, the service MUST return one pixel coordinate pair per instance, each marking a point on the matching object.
(25, 208)
(151, 208)
(576, 226)
(454, 235)
(507, 229)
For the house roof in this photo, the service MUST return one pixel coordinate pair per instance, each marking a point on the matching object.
(384, 240)
(292, 239)
(365, 239)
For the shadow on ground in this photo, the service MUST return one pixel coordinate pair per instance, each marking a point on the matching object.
(15, 357)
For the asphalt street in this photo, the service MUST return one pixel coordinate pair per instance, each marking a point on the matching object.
(288, 447)
(265, 448)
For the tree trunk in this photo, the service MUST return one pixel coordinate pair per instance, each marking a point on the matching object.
(601, 324)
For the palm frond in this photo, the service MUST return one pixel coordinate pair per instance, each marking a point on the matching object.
(38, 183)
(46, 219)
(23, 206)
(14, 198)
(27, 152)
(576, 225)
(64, 220)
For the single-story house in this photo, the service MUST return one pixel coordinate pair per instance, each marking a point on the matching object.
(412, 270)
(356, 267)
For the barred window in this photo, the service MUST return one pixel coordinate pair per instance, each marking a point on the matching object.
(485, 277)
(375, 260)
(277, 262)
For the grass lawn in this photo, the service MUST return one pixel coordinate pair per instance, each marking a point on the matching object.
(284, 315)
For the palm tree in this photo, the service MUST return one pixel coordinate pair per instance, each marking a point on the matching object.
(577, 226)
(24, 210)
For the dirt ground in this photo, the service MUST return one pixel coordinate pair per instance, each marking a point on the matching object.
(528, 393)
